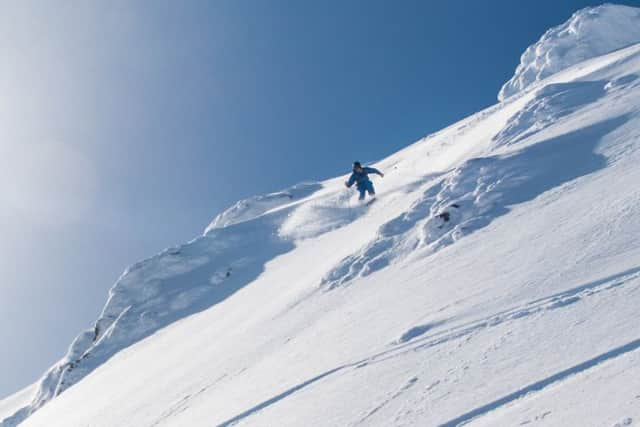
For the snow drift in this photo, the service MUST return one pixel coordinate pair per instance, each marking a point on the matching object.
(589, 33)
(494, 282)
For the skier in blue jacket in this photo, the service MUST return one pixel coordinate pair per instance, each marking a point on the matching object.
(361, 179)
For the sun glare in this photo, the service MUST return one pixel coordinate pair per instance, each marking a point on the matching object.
(49, 182)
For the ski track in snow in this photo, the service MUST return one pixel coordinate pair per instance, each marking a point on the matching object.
(552, 302)
(252, 411)
(567, 132)
(183, 404)
(410, 383)
(410, 342)
(542, 384)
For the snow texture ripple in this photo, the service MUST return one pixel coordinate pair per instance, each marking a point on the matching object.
(589, 33)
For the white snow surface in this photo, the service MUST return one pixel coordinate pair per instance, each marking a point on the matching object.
(590, 32)
(495, 281)
(14, 403)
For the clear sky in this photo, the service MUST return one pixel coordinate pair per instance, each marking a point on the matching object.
(126, 126)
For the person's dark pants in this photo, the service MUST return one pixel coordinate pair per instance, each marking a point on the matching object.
(366, 187)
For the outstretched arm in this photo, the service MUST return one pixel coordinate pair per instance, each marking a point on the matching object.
(373, 170)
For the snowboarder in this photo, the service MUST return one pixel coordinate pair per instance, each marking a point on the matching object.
(361, 178)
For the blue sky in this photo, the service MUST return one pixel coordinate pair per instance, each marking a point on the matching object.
(126, 126)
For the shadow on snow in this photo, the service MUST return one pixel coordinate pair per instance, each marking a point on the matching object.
(470, 197)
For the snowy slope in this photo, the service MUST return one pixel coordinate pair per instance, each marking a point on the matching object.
(495, 282)
(17, 401)
(589, 33)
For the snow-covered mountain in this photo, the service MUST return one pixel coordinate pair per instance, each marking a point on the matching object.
(496, 281)
(589, 33)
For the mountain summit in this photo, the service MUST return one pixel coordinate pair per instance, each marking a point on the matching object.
(589, 33)
(496, 280)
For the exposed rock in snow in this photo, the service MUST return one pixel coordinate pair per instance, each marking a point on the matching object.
(589, 33)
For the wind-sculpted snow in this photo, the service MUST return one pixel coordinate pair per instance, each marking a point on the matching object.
(470, 197)
(253, 207)
(172, 285)
(550, 104)
(492, 241)
(589, 33)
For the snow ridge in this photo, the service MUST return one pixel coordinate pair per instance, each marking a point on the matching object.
(590, 32)
(172, 285)
(255, 206)
(308, 267)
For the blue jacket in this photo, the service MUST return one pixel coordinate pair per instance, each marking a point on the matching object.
(361, 179)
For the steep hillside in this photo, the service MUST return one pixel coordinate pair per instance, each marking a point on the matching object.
(495, 281)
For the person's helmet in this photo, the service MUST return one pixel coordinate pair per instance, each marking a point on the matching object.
(357, 165)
